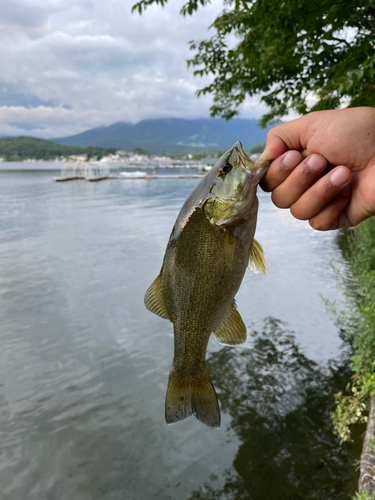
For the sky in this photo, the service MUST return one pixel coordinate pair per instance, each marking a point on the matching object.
(70, 65)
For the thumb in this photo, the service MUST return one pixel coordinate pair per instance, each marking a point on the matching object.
(283, 138)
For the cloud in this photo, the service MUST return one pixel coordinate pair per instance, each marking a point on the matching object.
(27, 13)
(69, 65)
(10, 97)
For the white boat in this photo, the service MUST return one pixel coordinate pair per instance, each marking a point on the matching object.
(134, 175)
(204, 168)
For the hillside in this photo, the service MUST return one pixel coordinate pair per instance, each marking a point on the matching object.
(21, 148)
(172, 135)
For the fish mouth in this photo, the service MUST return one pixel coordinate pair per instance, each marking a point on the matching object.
(260, 168)
(256, 169)
(245, 161)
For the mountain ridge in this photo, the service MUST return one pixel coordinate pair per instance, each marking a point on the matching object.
(171, 135)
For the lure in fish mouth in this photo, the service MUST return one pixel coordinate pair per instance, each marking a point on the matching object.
(210, 247)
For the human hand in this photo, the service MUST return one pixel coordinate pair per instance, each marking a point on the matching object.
(303, 148)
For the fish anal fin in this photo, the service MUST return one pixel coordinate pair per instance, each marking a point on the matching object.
(230, 244)
(257, 264)
(232, 330)
(192, 397)
(154, 299)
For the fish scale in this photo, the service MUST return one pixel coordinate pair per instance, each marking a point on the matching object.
(204, 264)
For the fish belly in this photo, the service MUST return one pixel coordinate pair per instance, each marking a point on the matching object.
(199, 290)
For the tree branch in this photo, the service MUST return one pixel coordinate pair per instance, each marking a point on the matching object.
(366, 84)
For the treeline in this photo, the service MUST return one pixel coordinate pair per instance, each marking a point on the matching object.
(258, 148)
(22, 148)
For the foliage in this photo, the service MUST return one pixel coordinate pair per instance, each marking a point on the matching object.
(141, 151)
(353, 403)
(258, 148)
(198, 156)
(297, 54)
(22, 148)
(363, 496)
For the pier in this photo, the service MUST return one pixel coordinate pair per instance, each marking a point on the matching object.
(115, 176)
(94, 172)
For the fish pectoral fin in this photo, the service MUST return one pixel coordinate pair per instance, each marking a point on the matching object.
(230, 244)
(154, 299)
(192, 397)
(257, 264)
(232, 329)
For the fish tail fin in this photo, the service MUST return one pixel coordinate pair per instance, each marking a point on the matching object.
(192, 397)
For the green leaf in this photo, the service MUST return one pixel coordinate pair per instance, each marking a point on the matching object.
(284, 57)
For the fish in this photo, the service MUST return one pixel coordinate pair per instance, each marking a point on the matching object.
(209, 249)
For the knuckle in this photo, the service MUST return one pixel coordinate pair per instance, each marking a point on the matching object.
(279, 201)
(266, 183)
(297, 212)
(300, 177)
(324, 193)
(265, 186)
(318, 225)
(272, 132)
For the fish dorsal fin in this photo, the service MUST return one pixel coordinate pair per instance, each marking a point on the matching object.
(230, 243)
(257, 264)
(154, 299)
(232, 330)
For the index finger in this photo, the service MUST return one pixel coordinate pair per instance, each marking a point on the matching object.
(280, 169)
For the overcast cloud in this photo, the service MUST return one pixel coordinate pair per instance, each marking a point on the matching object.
(70, 65)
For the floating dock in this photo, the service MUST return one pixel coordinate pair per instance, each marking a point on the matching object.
(95, 178)
(123, 177)
(96, 171)
(68, 178)
(149, 177)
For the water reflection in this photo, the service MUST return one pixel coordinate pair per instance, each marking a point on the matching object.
(83, 365)
(279, 403)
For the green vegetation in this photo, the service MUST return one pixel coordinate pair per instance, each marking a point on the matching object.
(141, 151)
(22, 148)
(358, 319)
(297, 54)
(363, 496)
(196, 156)
(258, 148)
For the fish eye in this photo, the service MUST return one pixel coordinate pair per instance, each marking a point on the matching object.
(225, 169)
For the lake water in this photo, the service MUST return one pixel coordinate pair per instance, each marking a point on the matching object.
(84, 366)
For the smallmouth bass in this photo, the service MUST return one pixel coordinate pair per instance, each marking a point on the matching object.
(211, 244)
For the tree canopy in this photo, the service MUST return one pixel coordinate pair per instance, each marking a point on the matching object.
(20, 148)
(301, 55)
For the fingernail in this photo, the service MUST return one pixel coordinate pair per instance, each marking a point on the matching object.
(316, 163)
(265, 156)
(290, 160)
(339, 177)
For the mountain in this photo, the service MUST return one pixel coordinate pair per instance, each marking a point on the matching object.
(172, 135)
(21, 148)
